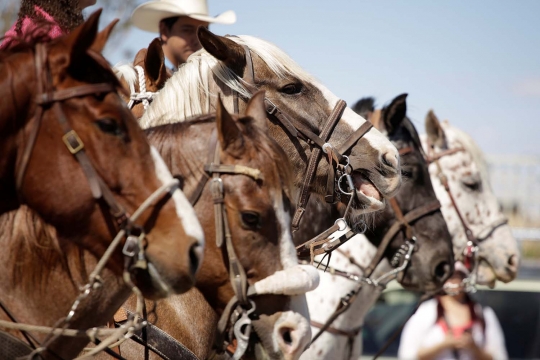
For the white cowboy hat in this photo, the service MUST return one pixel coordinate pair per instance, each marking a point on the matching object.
(148, 15)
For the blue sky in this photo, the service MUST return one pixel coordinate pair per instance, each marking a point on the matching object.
(475, 62)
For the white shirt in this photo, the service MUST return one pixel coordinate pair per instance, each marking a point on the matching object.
(421, 331)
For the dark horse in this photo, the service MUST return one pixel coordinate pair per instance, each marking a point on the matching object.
(432, 257)
(64, 94)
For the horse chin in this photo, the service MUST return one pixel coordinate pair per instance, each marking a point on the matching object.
(486, 274)
(152, 285)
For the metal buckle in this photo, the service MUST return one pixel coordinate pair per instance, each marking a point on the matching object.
(68, 137)
(274, 108)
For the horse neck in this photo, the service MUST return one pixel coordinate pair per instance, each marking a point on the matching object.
(43, 279)
(15, 108)
(323, 300)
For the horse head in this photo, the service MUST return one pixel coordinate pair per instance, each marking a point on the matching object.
(78, 158)
(470, 206)
(221, 67)
(432, 260)
(245, 206)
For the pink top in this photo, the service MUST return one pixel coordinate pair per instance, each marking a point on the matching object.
(28, 27)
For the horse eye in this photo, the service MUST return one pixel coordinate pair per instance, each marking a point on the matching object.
(407, 173)
(109, 126)
(250, 220)
(472, 183)
(291, 89)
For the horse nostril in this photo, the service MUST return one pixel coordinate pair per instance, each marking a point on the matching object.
(442, 271)
(513, 263)
(287, 336)
(195, 256)
(390, 160)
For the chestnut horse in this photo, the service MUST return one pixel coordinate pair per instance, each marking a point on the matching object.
(431, 260)
(84, 199)
(144, 77)
(469, 205)
(258, 214)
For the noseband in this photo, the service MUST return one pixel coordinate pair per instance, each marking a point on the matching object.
(48, 98)
(471, 250)
(146, 97)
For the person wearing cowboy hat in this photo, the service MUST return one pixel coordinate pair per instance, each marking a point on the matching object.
(177, 22)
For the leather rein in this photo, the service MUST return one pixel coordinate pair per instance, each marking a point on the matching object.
(48, 98)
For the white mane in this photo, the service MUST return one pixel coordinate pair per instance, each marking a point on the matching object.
(190, 86)
(126, 71)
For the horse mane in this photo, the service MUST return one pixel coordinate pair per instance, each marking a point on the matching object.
(127, 72)
(474, 150)
(189, 87)
(266, 147)
(34, 248)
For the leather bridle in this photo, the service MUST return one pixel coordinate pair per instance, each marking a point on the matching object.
(235, 321)
(402, 223)
(338, 162)
(471, 251)
(48, 98)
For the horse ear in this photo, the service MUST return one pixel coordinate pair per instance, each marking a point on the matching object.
(82, 38)
(395, 113)
(434, 130)
(256, 110)
(103, 36)
(154, 63)
(222, 48)
(364, 107)
(229, 135)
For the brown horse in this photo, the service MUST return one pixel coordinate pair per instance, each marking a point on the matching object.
(144, 77)
(67, 84)
(259, 219)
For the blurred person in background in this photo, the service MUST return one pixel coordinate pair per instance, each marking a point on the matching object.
(453, 326)
(45, 19)
(177, 21)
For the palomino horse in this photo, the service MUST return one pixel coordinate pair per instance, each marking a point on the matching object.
(64, 90)
(469, 206)
(429, 241)
(298, 108)
(144, 77)
(256, 198)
